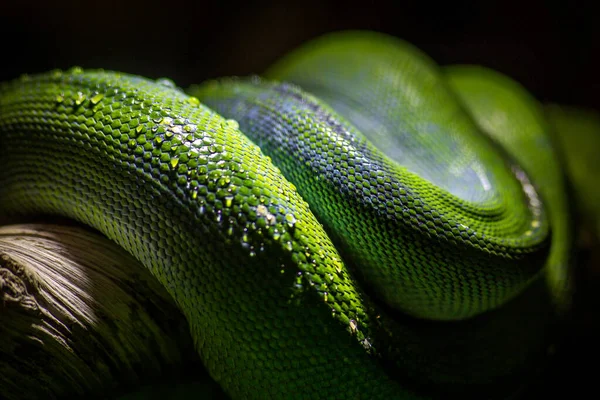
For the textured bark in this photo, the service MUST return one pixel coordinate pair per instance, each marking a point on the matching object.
(80, 317)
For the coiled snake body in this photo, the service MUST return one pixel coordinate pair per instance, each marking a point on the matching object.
(376, 228)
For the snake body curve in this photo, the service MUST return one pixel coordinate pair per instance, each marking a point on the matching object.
(369, 242)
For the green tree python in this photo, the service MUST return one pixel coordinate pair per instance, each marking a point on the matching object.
(358, 223)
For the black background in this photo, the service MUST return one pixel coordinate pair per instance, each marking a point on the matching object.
(548, 46)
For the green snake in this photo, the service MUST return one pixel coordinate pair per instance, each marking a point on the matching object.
(356, 223)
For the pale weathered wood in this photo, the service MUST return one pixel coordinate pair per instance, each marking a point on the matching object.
(79, 316)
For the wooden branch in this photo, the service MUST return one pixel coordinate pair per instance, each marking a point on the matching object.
(80, 317)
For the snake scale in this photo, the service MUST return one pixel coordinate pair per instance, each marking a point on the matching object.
(358, 223)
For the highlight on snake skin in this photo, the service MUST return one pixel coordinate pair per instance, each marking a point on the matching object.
(357, 222)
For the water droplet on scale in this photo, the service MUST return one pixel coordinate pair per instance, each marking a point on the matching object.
(290, 220)
(80, 98)
(166, 82)
(96, 98)
(232, 123)
(353, 325)
(193, 101)
(189, 128)
(245, 241)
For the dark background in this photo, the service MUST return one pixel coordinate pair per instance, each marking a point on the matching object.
(548, 46)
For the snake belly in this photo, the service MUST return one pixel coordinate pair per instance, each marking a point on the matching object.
(368, 243)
